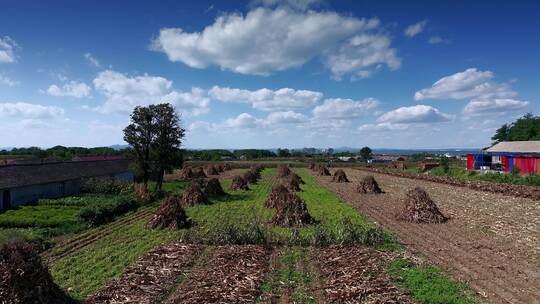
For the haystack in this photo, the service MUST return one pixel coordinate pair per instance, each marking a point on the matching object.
(227, 167)
(220, 168)
(239, 183)
(170, 215)
(199, 173)
(419, 208)
(192, 196)
(323, 171)
(340, 177)
(368, 185)
(283, 170)
(312, 166)
(297, 178)
(290, 183)
(256, 170)
(277, 196)
(186, 173)
(25, 279)
(212, 188)
(292, 213)
(211, 170)
(250, 177)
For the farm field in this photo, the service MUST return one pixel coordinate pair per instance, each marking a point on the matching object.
(234, 255)
(491, 241)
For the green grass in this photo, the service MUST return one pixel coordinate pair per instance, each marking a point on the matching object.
(90, 268)
(428, 285)
(290, 276)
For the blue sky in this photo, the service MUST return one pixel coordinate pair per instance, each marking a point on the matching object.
(269, 73)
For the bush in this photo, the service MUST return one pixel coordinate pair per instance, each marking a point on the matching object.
(106, 186)
(106, 210)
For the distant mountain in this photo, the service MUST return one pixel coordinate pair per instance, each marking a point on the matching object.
(7, 148)
(119, 147)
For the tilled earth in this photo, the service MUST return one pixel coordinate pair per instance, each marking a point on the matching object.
(356, 275)
(491, 240)
(150, 278)
(232, 274)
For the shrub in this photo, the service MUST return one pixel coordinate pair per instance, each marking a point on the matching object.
(105, 186)
(106, 210)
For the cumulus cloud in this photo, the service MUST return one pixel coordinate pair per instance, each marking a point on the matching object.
(415, 29)
(337, 108)
(8, 47)
(268, 40)
(414, 114)
(478, 107)
(71, 89)
(93, 61)
(266, 99)
(437, 40)
(124, 92)
(285, 117)
(383, 127)
(485, 95)
(29, 111)
(471, 83)
(8, 81)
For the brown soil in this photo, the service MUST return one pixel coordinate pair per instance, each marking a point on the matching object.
(192, 196)
(25, 279)
(239, 183)
(277, 196)
(323, 171)
(340, 177)
(211, 170)
(149, 279)
(283, 171)
(170, 214)
(212, 188)
(233, 274)
(492, 241)
(292, 212)
(420, 208)
(368, 185)
(356, 275)
(531, 192)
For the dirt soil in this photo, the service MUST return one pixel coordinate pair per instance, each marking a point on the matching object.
(231, 275)
(356, 275)
(491, 241)
(151, 277)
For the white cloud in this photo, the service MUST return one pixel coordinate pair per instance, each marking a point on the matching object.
(383, 127)
(29, 111)
(414, 114)
(266, 99)
(124, 92)
(8, 47)
(478, 107)
(470, 83)
(485, 95)
(8, 81)
(360, 53)
(415, 29)
(337, 108)
(70, 89)
(437, 40)
(268, 40)
(286, 117)
(92, 60)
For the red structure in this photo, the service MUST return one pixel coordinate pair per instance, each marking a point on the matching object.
(507, 156)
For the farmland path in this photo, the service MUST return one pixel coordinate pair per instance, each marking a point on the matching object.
(491, 241)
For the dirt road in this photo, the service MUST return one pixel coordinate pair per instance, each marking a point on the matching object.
(492, 241)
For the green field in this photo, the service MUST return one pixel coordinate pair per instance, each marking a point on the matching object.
(86, 261)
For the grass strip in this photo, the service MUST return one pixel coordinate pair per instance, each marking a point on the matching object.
(429, 285)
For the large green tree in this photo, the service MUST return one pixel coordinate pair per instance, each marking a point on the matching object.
(524, 128)
(366, 153)
(155, 136)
